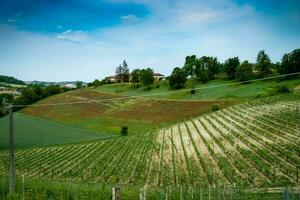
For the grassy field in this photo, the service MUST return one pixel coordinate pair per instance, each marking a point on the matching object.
(217, 149)
(31, 131)
(139, 114)
(239, 91)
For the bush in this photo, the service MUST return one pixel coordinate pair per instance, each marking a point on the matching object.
(193, 91)
(124, 131)
(283, 89)
(215, 107)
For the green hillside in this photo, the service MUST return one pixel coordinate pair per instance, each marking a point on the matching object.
(220, 148)
(139, 114)
(216, 89)
(31, 131)
(11, 80)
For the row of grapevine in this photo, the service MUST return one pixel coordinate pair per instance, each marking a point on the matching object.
(251, 144)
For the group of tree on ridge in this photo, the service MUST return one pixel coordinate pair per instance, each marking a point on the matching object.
(205, 68)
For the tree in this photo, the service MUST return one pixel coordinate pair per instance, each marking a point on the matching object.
(122, 72)
(230, 66)
(147, 77)
(177, 78)
(124, 131)
(125, 71)
(207, 68)
(244, 71)
(190, 65)
(213, 67)
(79, 84)
(136, 76)
(290, 62)
(263, 63)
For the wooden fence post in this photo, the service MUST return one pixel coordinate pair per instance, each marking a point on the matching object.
(143, 193)
(116, 193)
(11, 151)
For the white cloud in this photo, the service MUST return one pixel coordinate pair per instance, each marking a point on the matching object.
(11, 20)
(130, 19)
(161, 41)
(74, 36)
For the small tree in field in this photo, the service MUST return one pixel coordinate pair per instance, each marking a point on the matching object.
(124, 131)
(136, 76)
(244, 71)
(147, 77)
(263, 63)
(230, 67)
(177, 78)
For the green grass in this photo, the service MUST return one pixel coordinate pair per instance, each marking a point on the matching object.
(139, 115)
(239, 91)
(31, 131)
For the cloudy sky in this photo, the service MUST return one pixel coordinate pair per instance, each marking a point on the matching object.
(55, 40)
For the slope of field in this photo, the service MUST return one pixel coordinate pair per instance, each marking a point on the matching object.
(139, 114)
(253, 144)
(210, 90)
(31, 131)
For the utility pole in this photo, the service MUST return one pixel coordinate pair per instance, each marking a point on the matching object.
(11, 150)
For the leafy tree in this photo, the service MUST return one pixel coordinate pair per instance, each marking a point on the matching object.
(190, 65)
(207, 68)
(213, 67)
(290, 62)
(244, 71)
(230, 66)
(5, 99)
(202, 73)
(136, 76)
(263, 63)
(79, 84)
(124, 131)
(147, 77)
(177, 78)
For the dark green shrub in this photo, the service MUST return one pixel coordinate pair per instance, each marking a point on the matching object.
(193, 91)
(283, 89)
(215, 107)
(124, 131)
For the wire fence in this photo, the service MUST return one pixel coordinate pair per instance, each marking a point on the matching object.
(43, 189)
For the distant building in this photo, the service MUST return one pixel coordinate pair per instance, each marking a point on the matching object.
(70, 85)
(115, 79)
(112, 79)
(158, 76)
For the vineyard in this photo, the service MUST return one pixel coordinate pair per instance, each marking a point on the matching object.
(254, 144)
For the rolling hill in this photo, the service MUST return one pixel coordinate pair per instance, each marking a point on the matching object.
(139, 114)
(218, 148)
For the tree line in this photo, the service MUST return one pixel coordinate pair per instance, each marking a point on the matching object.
(206, 68)
(11, 80)
(29, 95)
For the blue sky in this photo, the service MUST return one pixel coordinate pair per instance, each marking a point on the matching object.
(55, 40)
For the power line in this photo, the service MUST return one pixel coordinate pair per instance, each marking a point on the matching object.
(156, 94)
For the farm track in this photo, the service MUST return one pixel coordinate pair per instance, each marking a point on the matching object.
(249, 144)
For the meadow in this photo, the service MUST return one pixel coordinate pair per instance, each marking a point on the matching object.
(31, 131)
(138, 114)
(210, 91)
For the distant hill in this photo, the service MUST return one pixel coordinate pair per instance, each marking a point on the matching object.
(70, 84)
(11, 80)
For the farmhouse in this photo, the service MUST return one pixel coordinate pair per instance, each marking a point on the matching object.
(158, 76)
(115, 78)
(112, 79)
